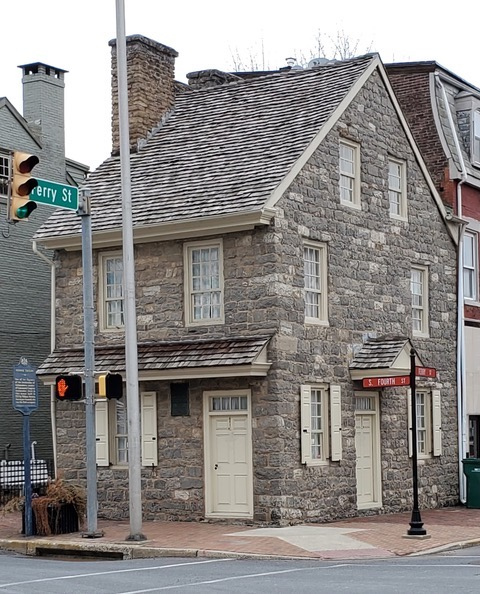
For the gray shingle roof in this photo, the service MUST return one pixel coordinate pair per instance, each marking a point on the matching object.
(221, 151)
(160, 356)
(379, 353)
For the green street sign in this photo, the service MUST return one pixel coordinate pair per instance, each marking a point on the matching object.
(56, 195)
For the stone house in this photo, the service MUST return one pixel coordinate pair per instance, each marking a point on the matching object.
(443, 112)
(25, 276)
(290, 250)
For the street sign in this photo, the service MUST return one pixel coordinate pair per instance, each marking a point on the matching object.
(25, 387)
(56, 195)
(386, 382)
(425, 372)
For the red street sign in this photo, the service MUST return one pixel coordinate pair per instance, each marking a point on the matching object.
(425, 372)
(386, 382)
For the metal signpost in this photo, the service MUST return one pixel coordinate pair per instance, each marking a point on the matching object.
(416, 524)
(25, 400)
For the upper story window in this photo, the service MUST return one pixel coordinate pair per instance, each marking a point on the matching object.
(315, 279)
(349, 174)
(111, 292)
(470, 266)
(203, 283)
(476, 137)
(419, 290)
(397, 194)
(4, 174)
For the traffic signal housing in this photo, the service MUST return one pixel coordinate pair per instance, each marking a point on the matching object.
(110, 385)
(68, 387)
(22, 183)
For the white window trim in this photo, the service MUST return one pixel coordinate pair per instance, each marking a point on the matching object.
(102, 315)
(105, 432)
(403, 189)
(425, 308)
(355, 203)
(323, 259)
(187, 249)
(433, 425)
(474, 269)
(332, 415)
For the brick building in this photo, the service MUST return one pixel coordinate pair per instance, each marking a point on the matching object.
(443, 112)
(26, 277)
(289, 244)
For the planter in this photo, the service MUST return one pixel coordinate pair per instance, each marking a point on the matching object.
(62, 519)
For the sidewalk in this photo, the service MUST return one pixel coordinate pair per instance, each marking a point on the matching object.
(358, 538)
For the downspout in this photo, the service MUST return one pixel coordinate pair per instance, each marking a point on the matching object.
(461, 366)
(52, 348)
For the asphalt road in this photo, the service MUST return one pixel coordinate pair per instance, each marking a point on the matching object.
(457, 571)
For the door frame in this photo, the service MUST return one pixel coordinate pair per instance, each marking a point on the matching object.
(207, 416)
(376, 449)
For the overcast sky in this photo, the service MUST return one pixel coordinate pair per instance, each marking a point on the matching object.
(214, 34)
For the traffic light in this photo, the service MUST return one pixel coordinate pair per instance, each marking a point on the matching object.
(68, 387)
(22, 183)
(110, 385)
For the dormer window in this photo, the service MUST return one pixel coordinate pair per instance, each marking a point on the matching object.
(476, 137)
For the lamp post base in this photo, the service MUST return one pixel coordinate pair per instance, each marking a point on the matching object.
(416, 525)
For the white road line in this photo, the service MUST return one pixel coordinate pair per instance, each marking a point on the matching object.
(231, 578)
(83, 575)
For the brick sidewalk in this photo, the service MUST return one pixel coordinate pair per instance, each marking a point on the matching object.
(376, 536)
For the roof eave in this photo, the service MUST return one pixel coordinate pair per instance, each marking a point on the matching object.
(255, 369)
(181, 229)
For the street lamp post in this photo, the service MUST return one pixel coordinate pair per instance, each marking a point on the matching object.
(416, 524)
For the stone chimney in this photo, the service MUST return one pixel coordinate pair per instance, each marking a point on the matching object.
(151, 87)
(44, 110)
(210, 78)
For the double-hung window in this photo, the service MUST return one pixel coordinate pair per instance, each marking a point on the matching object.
(429, 426)
(111, 430)
(203, 283)
(419, 291)
(470, 266)
(315, 281)
(4, 174)
(111, 291)
(349, 174)
(397, 189)
(321, 438)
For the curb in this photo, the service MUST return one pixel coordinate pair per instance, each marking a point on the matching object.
(463, 544)
(124, 552)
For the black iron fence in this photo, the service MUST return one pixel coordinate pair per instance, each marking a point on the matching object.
(12, 478)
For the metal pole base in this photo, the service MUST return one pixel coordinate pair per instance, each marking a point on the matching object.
(136, 537)
(98, 534)
(416, 525)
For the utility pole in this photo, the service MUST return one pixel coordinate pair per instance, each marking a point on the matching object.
(89, 373)
(131, 357)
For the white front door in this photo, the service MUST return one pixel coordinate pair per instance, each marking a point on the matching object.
(367, 450)
(228, 460)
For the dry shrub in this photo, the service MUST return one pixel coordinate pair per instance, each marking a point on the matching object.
(12, 505)
(58, 493)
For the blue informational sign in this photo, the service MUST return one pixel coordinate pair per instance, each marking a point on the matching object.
(25, 387)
